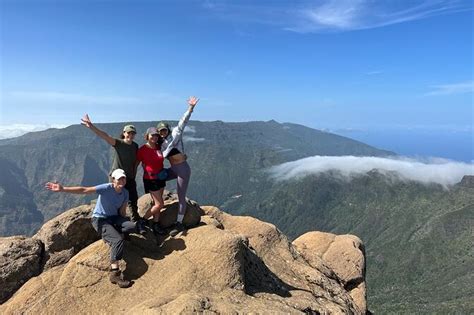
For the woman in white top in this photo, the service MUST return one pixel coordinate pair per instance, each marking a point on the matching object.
(173, 150)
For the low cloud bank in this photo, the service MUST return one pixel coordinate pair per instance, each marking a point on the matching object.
(16, 130)
(193, 139)
(190, 129)
(432, 170)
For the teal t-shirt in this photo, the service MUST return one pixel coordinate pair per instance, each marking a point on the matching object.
(109, 201)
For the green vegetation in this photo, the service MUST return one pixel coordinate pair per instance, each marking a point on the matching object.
(224, 164)
(419, 238)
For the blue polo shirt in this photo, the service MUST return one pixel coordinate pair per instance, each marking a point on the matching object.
(109, 201)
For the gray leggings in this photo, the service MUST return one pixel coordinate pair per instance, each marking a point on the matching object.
(110, 230)
(182, 172)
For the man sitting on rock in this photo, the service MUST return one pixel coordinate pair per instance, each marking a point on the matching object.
(108, 217)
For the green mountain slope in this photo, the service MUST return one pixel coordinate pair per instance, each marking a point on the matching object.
(419, 238)
(224, 158)
(18, 212)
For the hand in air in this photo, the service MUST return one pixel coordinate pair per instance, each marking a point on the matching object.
(86, 121)
(192, 101)
(56, 187)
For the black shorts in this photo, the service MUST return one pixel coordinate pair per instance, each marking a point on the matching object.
(153, 185)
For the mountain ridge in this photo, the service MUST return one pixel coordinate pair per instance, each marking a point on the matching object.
(74, 155)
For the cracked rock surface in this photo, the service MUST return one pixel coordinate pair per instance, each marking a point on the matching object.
(227, 264)
(20, 259)
(344, 254)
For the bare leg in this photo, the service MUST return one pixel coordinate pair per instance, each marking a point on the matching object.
(155, 210)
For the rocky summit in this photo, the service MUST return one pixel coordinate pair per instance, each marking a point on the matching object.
(220, 264)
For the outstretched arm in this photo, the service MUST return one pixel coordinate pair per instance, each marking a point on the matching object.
(56, 187)
(88, 123)
(178, 130)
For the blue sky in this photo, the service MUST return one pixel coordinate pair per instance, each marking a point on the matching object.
(367, 65)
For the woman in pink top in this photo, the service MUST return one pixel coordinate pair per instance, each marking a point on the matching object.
(152, 159)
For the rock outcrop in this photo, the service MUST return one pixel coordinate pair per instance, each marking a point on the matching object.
(20, 259)
(226, 264)
(344, 254)
(65, 235)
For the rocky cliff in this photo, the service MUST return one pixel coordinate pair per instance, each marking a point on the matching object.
(222, 264)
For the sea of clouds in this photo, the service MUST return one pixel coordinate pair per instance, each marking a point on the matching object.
(428, 170)
(16, 130)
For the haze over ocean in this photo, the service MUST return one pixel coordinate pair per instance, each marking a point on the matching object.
(453, 145)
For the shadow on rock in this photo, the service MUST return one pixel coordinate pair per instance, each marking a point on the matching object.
(259, 279)
(149, 246)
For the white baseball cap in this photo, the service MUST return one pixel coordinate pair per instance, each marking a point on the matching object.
(118, 173)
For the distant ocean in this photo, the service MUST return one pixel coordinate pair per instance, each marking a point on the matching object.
(419, 143)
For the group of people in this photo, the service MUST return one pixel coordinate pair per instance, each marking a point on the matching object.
(109, 217)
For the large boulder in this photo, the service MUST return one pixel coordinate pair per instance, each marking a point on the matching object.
(20, 259)
(344, 254)
(170, 210)
(277, 253)
(231, 265)
(65, 235)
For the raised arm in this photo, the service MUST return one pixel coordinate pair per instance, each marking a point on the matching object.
(178, 130)
(56, 187)
(88, 123)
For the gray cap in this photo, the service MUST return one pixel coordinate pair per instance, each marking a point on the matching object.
(152, 131)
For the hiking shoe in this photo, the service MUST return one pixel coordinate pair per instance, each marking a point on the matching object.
(177, 227)
(141, 227)
(116, 277)
(157, 229)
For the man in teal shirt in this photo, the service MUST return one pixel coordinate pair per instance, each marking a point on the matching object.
(108, 217)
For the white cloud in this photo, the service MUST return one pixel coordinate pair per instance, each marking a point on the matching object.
(190, 129)
(454, 88)
(193, 139)
(334, 15)
(16, 130)
(433, 170)
(347, 15)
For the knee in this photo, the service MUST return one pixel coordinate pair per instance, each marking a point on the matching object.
(156, 208)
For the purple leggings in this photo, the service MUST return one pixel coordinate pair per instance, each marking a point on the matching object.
(182, 172)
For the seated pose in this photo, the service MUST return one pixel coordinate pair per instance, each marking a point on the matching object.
(151, 158)
(108, 217)
(173, 149)
(125, 156)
